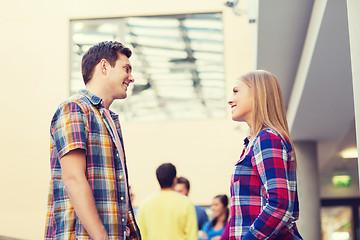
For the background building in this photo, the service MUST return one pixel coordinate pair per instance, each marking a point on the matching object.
(305, 43)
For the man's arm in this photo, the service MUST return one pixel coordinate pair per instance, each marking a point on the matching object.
(73, 166)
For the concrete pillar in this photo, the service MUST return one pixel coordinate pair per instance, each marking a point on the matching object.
(353, 7)
(308, 189)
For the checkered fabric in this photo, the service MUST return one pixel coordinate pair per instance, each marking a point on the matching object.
(80, 123)
(263, 190)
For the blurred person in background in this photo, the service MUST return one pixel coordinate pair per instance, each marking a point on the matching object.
(212, 230)
(264, 200)
(225, 234)
(167, 214)
(132, 195)
(89, 195)
(132, 198)
(183, 186)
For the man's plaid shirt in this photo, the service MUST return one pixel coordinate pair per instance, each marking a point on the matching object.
(80, 123)
(263, 190)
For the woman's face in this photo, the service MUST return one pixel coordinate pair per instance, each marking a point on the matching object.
(241, 102)
(218, 208)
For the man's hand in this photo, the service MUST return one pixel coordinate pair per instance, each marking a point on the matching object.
(73, 166)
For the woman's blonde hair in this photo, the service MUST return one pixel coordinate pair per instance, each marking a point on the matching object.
(268, 104)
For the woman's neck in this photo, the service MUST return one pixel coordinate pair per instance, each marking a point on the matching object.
(220, 222)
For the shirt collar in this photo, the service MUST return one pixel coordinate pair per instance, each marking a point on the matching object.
(247, 140)
(95, 100)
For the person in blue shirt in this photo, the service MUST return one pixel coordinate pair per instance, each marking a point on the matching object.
(183, 186)
(213, 230)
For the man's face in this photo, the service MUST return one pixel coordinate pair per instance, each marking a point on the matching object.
(181, 188)
(120, 77)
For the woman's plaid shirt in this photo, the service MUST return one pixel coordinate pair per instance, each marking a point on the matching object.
(263, 190)
(80, 123)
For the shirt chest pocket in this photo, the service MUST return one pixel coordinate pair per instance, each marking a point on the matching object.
(246, 161)
(243, 169)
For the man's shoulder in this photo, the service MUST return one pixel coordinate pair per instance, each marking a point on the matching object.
(77, 100)
(167, 196)
(182, 198)
(149, 199)
(75, 104)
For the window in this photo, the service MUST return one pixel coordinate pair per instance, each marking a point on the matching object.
(177, 64)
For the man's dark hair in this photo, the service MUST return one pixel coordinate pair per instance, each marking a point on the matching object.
(108, 50)
(184, 181)
(165, 174)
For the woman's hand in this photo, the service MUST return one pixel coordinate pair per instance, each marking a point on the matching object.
(203, 236)
(216, 238)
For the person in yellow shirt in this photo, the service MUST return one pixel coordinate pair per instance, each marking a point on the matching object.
(167, 214)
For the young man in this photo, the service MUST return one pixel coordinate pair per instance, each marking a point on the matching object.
(89, 195)
(167, 215)
(183, 186)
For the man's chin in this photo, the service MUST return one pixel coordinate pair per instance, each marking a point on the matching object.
(122, 96)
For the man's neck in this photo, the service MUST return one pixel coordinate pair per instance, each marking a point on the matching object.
(167, 189)
(101, 94)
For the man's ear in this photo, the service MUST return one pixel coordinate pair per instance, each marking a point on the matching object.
(174, 181)
(103, 65)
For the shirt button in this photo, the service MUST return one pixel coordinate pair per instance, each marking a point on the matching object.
(123, 220)
(120, 177)
(122, 198)
(117, 155)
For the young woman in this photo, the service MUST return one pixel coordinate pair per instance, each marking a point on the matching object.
(213, 230)
(263, 184)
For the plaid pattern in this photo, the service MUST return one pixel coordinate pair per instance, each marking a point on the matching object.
(263, 190)
(79, 123)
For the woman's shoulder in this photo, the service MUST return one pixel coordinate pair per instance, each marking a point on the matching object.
(271, 138)
(269, 134)
(206, 226)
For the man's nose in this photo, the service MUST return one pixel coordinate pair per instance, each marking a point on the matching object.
(131, 78)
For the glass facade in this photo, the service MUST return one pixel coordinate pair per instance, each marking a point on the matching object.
(177, 60)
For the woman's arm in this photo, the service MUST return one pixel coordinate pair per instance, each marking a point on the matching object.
(204, 230)
(278, 177)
